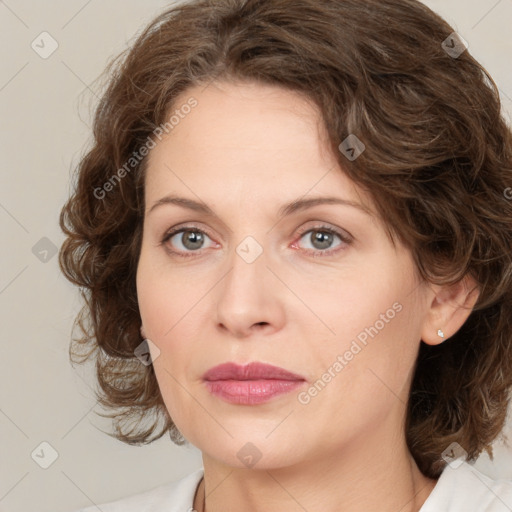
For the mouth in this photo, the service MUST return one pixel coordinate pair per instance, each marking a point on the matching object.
(251, 384)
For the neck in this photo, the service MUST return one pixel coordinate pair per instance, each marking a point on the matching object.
(365, 476)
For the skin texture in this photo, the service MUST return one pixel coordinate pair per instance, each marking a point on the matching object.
(246, 150)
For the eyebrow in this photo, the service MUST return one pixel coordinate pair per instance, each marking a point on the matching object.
(285, 210)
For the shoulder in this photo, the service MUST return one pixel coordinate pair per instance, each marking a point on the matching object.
(172, 497)
(464, 488)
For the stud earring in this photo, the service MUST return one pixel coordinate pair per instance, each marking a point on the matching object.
(440, 333)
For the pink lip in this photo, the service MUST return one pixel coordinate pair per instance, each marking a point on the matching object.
(250, 384)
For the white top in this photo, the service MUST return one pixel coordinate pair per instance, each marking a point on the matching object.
(463, 489)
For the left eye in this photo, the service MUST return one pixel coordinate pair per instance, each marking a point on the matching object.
(321, 239)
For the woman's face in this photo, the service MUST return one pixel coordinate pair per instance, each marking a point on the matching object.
(316, 288)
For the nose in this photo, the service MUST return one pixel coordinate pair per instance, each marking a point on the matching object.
(250, 298)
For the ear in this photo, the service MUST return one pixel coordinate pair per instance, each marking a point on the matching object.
(449, 308)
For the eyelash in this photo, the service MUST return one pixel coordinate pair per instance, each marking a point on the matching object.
(315, 253)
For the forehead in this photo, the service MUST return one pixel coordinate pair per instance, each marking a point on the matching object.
(248, 140)
(247, 118)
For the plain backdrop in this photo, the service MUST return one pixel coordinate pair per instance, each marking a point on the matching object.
(45, 108)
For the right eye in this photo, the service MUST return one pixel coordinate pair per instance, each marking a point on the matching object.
(185, 239)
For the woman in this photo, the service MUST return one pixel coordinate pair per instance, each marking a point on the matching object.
(294, 240)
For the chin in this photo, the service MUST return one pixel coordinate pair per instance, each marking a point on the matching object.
(254, 452)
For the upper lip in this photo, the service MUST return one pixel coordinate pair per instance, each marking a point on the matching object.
(251, 371)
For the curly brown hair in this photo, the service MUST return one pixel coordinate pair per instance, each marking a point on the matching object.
(438, 163)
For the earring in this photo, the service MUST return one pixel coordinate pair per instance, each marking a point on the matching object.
(142, 333)
(440, 333)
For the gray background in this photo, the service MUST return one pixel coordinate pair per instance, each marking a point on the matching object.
(45, 107)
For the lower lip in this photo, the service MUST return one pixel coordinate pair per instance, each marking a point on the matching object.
(251, 392)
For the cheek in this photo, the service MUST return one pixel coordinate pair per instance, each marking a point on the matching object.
(359, 378)
(165, 299)
(167, 305)
(359, 304)
(156, 304)
(165, 323)
(375, 319)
